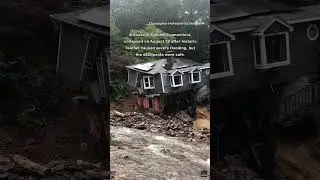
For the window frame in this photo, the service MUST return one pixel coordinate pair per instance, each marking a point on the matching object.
(149, 81)
(173, 83)
(225, 73)
(198, 71)
(263, 52)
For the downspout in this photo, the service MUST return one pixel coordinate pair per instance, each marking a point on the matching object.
(59, 47)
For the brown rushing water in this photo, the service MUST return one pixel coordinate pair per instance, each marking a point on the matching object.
(140, 155)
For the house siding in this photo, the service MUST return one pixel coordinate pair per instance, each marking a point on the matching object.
(303, 56)
(72, 49)
(165, 82)
(132, 78)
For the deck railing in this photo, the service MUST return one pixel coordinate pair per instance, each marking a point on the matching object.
(302, 100)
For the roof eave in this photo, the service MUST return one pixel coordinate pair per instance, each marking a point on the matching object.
(61, 20)
(224, 31)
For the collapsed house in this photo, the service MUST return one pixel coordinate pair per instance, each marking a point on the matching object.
(83, 48)
(83, 64)
(168, 84)
(258, 51)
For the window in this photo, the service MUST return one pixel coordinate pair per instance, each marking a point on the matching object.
(221, 61)
(271, 50)
(176, 80)
(148, 82)
(276, 48)
(313, 32)
(195, 76)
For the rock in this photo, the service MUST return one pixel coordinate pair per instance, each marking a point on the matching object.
(29, 165)
(204, 173)
(165, 151)
(4, 176)
(92, 174)
(117, 113)
(5, 164)
(179, 125)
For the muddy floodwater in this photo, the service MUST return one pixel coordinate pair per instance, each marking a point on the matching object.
(140, 155)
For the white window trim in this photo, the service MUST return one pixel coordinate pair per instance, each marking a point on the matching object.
(144, 82)
(226, 73)
(192, 81)
(263, 52)
(173, 84)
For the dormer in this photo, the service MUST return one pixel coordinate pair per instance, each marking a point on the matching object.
(220, 52)
(271, 44)
(176, 79)
(195, 76)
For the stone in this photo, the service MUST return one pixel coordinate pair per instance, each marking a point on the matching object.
(5, 164)
(4, 176)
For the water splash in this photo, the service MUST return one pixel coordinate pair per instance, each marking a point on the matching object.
(141, 155)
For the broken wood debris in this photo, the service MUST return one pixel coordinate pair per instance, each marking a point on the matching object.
(178, 125)
(19, 167)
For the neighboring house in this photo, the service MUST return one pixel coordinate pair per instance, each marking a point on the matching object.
(257, 53)
(83, 47)
(166, 82)
(246, 46)
(82, 61)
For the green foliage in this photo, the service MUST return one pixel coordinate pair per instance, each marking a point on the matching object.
(115, 39)
(134, 15)
(28, 93)
(119, 90)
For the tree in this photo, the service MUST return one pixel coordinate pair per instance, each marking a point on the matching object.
(136, 14)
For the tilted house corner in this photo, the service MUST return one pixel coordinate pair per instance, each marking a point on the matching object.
(167, 83)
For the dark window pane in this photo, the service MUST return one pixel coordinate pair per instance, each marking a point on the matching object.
(276, 48)
(219, 58)
(257, 50)
(151, 82)
(177, 80)
(196, 76)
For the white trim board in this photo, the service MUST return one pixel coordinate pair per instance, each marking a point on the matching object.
(149, 80)
(162, 85)
(59, 47)
(279, 20)
(226, 73)
(263, 54)
(223, 31)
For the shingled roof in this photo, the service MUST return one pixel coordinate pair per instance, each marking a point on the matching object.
(181, 65)
(94, 19)
(253, 21)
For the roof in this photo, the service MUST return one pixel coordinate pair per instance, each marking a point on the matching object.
(304, 14)
(155, 67)
(99, 16)
(230, 9)
(94, 19)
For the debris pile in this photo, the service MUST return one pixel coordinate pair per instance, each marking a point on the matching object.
(178, 125)
(17, 167)
(234, 168)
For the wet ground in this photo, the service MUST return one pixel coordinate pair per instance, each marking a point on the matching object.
(140, 155)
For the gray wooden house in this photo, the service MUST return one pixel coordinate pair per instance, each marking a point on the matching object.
(83, 64)
(82, 56)
(257, 51)
(168, 81)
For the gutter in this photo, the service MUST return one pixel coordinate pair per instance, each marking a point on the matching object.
(79, 26)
